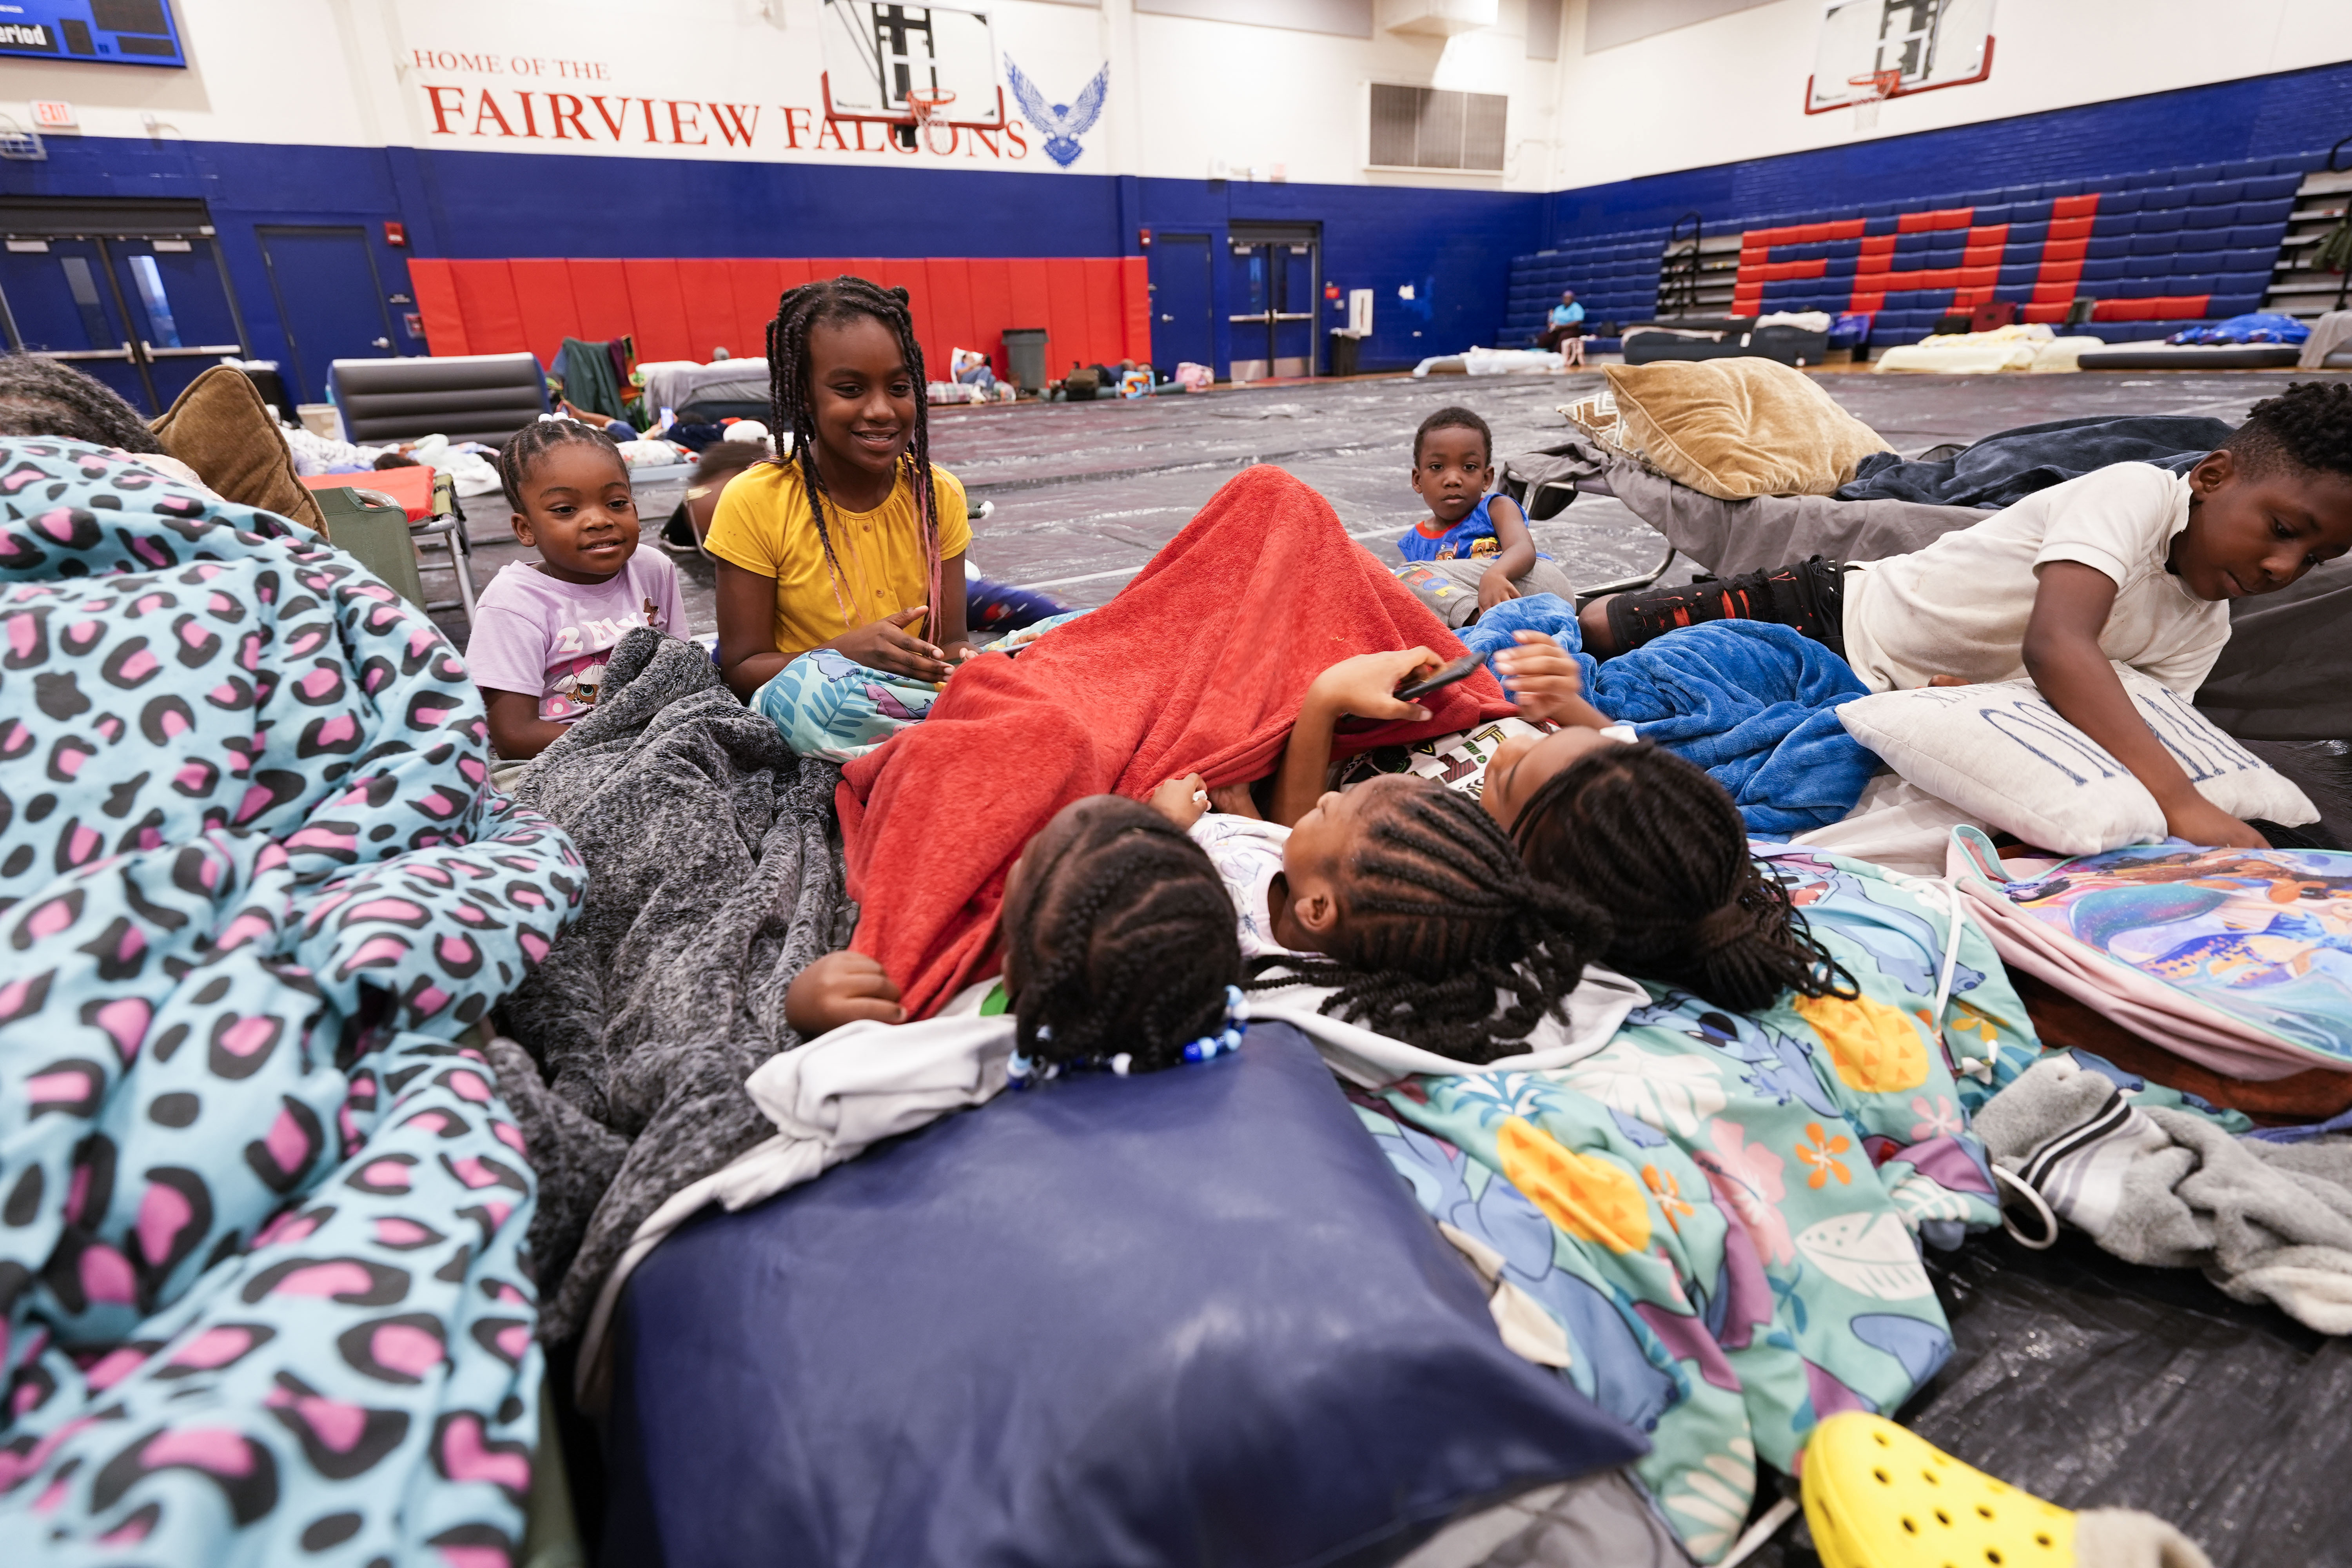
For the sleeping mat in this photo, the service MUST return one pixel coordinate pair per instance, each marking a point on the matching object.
(2099, 1383)
(260, 1214)
(1199, 665)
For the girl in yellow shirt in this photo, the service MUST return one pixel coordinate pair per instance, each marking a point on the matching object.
(841, 579)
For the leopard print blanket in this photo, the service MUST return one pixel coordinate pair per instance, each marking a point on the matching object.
(262, 1214)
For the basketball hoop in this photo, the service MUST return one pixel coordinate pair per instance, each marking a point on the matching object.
(1878, 87)
(928, 104)
(1882, 85)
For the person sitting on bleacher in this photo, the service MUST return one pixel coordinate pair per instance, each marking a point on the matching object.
(1567, 327)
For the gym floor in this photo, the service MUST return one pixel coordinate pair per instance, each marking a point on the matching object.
(1085, 493)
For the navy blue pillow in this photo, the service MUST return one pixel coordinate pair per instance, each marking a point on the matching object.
(1182, 1319)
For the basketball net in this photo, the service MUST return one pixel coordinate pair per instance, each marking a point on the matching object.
(1878, 87)
(927, 103)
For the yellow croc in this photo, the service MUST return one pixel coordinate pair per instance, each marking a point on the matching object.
(1877, 1497)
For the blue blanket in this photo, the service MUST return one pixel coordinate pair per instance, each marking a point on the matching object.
(260, 1263)
(1753, 703)
(2002, 469)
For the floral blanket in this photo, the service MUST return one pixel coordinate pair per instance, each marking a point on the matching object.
(260, 1213)
(1713, 1224)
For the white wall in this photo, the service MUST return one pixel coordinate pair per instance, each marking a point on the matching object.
(1734, 87)
(1185, 96)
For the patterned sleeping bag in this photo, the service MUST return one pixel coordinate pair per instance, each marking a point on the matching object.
(260, 1214)
(2239, 960)
(1713, 1224)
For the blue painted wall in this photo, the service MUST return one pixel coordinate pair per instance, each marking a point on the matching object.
(242, 186)
(1453, 246)
(2259, 117)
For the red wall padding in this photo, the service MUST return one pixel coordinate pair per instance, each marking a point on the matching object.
(1094, 309)
(437, 301)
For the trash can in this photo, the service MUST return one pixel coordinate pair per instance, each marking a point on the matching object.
(1024, 357)
(1343, 353)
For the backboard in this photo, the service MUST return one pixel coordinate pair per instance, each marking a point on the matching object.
(1932, 43)
(877, 53)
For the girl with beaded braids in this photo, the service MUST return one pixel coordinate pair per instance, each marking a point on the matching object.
(833, 558)
(1118, 952)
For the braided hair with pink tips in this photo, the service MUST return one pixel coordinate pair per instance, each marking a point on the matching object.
(791, 403)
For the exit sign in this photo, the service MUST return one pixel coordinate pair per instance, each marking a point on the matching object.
(53, 114)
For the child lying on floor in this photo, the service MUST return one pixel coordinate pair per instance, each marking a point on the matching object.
(1399, 899)
(542, 630)
(1118, 951)
(1471, 540)
(2129, 563)
(1651, 838)
(1406, 899)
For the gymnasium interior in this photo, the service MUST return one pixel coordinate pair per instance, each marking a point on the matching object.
(614, 1112)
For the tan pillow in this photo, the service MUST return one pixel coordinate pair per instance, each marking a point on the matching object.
(221, 428)
(1737, 427)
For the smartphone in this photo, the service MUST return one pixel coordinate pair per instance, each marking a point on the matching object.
(1462, 668)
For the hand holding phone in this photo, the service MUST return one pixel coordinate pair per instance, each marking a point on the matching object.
(1445, 675)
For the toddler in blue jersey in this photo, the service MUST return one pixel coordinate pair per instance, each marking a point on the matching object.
(1474, 549)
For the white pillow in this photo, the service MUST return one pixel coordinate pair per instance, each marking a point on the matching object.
(2001, 753)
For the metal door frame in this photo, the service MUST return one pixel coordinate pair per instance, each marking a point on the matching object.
(148, 353)
(262, 234)
(1248, 235)
(72, 225)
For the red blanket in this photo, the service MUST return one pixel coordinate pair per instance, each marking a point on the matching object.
(1198, 667)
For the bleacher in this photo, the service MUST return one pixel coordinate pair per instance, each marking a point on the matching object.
(1615, 278)
(2154, 251)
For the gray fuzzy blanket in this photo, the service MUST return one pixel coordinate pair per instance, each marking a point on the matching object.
(714, 877)
(2264, 1221)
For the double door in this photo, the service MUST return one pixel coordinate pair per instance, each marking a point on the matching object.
(1275, 278)
(144, 314)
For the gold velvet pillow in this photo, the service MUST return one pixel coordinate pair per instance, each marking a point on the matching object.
(221, 428)
(1737, 427)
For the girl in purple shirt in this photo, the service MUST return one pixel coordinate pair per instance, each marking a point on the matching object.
(543, 630)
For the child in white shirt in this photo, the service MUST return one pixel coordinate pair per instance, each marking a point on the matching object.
(2129, 563)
